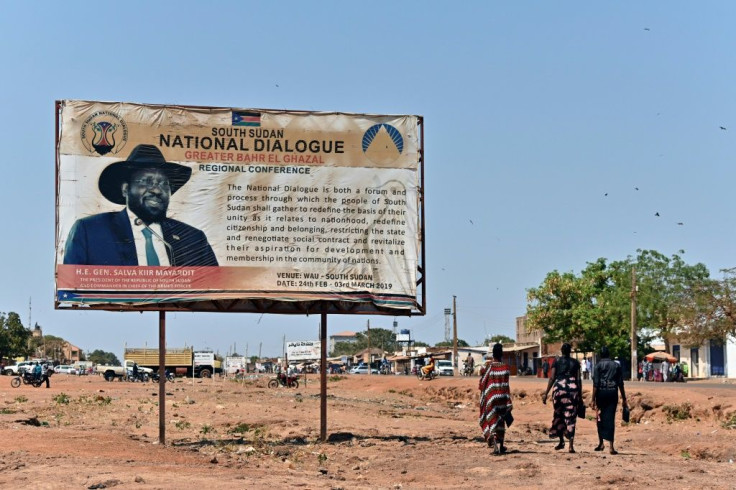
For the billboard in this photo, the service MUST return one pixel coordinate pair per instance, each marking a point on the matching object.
(221, 209)
(303, 350)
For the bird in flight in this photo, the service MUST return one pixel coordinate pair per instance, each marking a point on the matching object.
(680, 223)
(647, 29)
(722, 128)
(471, 221)
(656, 214)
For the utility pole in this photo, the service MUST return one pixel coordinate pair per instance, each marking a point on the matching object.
(634, 357)
(454, 335)
(369, 346)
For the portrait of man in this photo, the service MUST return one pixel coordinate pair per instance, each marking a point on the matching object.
(140, 233)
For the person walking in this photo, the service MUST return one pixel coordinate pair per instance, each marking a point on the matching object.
(607, 382)
(568, 394)
(45, 374)
(495, 400)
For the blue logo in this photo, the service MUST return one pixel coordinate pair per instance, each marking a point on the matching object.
(370, 136)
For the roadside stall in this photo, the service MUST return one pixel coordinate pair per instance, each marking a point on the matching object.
(657, 361)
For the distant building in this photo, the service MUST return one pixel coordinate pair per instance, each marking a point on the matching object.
(346, 336)
(37, 332)
(523, 335)
(71, 353)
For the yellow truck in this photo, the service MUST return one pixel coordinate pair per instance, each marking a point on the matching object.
(181, 362)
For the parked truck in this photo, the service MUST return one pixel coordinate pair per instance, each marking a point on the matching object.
(181, 362)
(111, 373)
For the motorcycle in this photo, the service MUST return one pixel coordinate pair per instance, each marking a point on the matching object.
(155, 377)
(427, 377)
(467, 370)
(141, 376)
(284, 380)
(28, 379)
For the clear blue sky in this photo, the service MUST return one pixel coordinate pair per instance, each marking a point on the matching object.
(533, 112)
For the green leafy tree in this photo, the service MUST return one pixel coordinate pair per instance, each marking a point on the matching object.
(48, 347)
(445, 343)
(498, 339)
(594, 308)
(380, 338)
(666, 286)
(710, 312)
(14, 336)
(344, 349)
(101, 357)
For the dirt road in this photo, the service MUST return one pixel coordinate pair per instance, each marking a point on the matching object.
(385, 432)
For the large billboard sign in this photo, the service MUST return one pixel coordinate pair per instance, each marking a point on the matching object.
(221, 209)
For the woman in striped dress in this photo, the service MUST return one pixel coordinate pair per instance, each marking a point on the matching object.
(495, 400)
(565, 375)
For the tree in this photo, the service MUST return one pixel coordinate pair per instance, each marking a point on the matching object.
(666, 286)
(593, 309)
(710, 312)
(48, 347)
(498, 339)
(344, 349)
(445, 343)
(101, 357)
(13, 336)
(380, 338)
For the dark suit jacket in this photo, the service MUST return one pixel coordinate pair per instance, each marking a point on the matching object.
(107, 239)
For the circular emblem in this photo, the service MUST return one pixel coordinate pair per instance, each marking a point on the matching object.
(382, 143)
(104, 132)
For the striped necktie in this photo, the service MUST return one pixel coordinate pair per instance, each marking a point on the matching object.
(151, 256)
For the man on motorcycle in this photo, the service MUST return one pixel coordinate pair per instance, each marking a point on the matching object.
(428, 368)
(469, 364)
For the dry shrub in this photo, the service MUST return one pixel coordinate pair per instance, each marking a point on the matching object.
(678, 412)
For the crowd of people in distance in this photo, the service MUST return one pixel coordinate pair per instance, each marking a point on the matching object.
(663, 371)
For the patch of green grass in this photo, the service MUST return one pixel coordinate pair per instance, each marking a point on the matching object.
(6, 411)
(21, 399)
(103, 400)
(336, 378)
(322, 458)
(62, 399)
(685, 454)
(182, 425)
(206, 429)
(241, 428)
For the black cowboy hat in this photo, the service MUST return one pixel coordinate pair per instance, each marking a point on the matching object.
(142, 157)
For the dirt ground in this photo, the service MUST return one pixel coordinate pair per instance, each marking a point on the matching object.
(384, 432)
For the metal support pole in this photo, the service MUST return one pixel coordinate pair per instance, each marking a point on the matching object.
(162, 377)
(454, 336)
(323, 379)
(634, 356)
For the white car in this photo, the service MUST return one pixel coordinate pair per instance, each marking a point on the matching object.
(444, 367)
(65, 369)
(363, 369)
